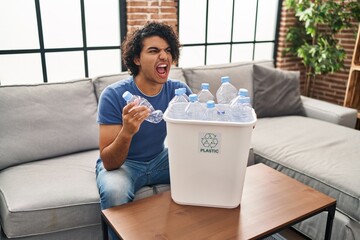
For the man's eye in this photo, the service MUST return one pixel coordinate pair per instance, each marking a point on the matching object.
(152, 50)
(168, 50)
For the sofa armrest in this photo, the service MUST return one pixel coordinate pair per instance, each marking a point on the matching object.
(329, 112)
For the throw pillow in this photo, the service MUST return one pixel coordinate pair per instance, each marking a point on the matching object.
(276, 92)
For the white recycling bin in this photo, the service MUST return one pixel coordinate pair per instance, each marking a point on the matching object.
(208, 161)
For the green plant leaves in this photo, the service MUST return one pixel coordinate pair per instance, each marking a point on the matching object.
(313, 38)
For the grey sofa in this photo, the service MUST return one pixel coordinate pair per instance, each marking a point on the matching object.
(49, 146)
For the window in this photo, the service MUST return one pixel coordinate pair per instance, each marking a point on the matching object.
(49, 41)
(214, 32)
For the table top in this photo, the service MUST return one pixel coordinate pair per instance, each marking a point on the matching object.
(270, 202)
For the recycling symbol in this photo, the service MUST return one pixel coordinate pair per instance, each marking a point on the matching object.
(209, 140)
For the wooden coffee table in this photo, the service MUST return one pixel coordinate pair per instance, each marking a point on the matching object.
(271, 201)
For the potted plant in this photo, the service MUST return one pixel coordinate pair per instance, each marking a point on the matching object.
(313, 37)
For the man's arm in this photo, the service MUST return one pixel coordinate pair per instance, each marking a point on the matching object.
(114, 140)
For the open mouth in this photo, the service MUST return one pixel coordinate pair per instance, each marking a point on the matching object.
(162, 70)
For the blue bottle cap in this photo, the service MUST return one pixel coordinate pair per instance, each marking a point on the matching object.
(244, 100)
(243, 92)
(127, 95)
(205, 86)
(210, 104)
(183, 90)
(193, 97)
(225, 79)
(178, 91)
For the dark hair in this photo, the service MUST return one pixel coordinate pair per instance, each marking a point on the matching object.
(133, 43)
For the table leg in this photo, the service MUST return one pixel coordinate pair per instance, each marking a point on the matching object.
(104, 227)
(329, 222)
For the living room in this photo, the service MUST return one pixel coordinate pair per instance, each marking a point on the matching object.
(42, 51)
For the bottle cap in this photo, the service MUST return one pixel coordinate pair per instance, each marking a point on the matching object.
(243, 92)
(183, 90)
(205, 86)
(193, 97)
(225, 79)
(127, 95)
(210, 104)
(178, 91)
(244, 100)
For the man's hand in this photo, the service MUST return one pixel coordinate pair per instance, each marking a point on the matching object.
(133, 116)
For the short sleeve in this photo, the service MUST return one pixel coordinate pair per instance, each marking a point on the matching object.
(110, 107)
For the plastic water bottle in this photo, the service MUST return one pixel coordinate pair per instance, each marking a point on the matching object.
(243, 92)
(180, 96)
(178, 104)
(211, 111)
(183, 90)
(194, 110)
(226, 91)
(241, 109)
(205, 95)
(155, 115)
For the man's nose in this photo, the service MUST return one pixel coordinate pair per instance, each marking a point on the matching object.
(163, 54)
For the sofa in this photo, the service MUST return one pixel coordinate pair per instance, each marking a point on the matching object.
(49, 146)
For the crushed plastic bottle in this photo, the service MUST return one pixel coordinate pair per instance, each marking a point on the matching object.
(155, 115)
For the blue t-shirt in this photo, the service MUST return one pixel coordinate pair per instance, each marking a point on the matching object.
(148, 142)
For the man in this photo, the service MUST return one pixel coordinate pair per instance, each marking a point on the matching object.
(132, 152)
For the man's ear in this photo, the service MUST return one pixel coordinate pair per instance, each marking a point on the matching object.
(137, 61)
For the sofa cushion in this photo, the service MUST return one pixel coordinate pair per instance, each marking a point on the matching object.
(241, 75)
(46, 120)
(50, 195)
(101, 82)
(54, 195)
(322, 155)
(329, 112)
(276, 92)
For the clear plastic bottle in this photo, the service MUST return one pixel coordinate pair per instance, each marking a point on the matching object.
(211, 111)
(226, 91)
(155, 115)
(178, 104)
(205, 95)
(194, 110)
(183, 90)
(180, 96)
(240, 107)
(243, 92)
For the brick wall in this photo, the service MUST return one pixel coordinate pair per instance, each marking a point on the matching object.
(287, 62)
(330, 87)
(141, 11)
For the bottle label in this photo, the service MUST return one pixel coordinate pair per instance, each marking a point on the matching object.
(209, 142)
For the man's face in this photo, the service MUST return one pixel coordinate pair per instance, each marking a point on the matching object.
(155, 60)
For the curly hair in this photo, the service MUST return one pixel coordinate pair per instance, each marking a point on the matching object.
(133, 43)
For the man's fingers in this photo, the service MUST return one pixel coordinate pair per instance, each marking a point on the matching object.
(129, 107)
(136, 112)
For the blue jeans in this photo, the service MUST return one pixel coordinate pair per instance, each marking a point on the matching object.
(119, 186)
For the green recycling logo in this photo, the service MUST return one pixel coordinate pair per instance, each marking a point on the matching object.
(209, 142)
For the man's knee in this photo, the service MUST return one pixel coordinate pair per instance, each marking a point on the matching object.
(112, 195)
(115, 189)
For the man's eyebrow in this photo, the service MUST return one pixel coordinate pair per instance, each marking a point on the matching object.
(156, 48)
